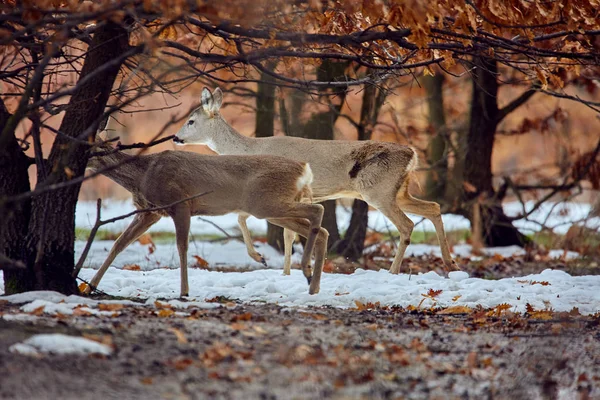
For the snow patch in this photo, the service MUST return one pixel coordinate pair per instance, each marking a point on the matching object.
(57, 343)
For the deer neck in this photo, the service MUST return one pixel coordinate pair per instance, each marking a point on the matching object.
(229, 141)
(126, 170)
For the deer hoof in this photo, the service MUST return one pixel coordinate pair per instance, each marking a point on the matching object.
(263, 261)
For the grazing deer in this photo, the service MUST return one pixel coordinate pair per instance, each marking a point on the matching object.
(263, 186)
(376, 172)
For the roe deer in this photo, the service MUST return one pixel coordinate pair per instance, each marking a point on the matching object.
(263, 186)
(376, 172)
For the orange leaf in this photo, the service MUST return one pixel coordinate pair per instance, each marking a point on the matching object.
(433, 293)
(84, 288)
(456, 310)
(160, 305)
(110, 306)
(132, 267)
(38, 311)
(201, 262)
(180, 336)
(164, 313)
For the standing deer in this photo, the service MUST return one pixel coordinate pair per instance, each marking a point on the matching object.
(263, 186)
(376, 172)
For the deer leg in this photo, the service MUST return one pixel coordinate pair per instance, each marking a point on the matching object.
(302, 227)
(181, 217)
(314, 214)
(405, 227)
(288, 242)
(431, 211)
(140, 224)
(255, 255)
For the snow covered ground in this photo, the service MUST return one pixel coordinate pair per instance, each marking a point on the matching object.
(159, 277)
(550, 289)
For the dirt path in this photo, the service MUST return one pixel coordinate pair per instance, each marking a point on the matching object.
(269, 352)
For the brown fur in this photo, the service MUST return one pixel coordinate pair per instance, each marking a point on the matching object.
(376, 172)
(262, 186)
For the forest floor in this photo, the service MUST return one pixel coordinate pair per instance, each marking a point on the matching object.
(265, 351)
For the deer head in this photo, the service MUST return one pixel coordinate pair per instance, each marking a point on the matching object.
(203, 123)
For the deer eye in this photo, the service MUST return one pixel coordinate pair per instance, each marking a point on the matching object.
(191, 123)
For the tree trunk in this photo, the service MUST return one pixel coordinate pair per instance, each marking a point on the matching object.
(353, 244)
(14, 180)
(49, 245)
(320, 126)
(435, 185)
(497, 230)
(265, 126)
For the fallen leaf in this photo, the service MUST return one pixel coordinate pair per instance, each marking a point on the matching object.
(456, 310)
(81, 312)
(110, 306)
(237, 326)
(132, 267)
(181, 364)
(200, 262)
(164, 313)
(242, 317)
(180, 336)
(84, 288)
(160, 305)
(38, 311)
(458, 296)
(432, 293)
(146, 381)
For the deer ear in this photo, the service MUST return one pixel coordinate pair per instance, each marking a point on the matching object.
(218, 99)
(207, 100)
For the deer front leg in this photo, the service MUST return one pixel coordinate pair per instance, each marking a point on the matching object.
(181, 217)
(255, 255)
(140, 224)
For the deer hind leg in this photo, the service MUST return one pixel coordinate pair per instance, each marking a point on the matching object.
(255, 255)
(431, 211)
(140, 224)
(314, 214)
(181, 216)
(302, 227)
(288, 242)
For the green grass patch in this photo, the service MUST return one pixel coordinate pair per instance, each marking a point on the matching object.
(158, 237)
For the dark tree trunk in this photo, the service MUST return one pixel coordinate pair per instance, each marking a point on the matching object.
(15, 216)
(265, 126)
(353, 244)
(49, 245)
(321, 126)
(497, 230)
(435, 185)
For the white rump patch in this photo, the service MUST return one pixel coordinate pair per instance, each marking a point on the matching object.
(414, 161)
(305, 179)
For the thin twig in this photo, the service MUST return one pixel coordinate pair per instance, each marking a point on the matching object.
(100, 222)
